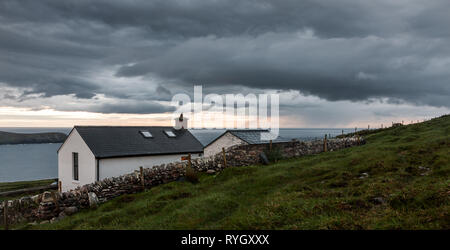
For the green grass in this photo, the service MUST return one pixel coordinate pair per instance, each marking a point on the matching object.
(323, 191)
(10, 186)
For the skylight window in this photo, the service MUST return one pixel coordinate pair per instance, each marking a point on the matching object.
(169, 133)
(146, 134)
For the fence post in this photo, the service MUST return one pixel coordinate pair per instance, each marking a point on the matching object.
(5, 214)
(189, 160)
(55, 200)
(60, 186)
(224, 158)
(325, 144)
(141, 169)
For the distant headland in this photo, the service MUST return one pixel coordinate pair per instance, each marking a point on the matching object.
(19, 138)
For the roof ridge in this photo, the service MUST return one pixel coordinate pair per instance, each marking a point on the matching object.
(247, 130)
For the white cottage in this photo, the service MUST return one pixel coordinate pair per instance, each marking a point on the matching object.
(238, 137)
(92, 153)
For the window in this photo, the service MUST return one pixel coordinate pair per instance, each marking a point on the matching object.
(146, 134)
(75, 166)
(169, 133)
(97, 170)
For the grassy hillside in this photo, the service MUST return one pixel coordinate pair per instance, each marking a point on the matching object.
(11, 186)
(19, 138)
(398, 180)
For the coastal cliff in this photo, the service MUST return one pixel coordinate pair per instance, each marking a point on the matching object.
(18, 138)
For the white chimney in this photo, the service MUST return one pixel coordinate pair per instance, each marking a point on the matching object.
(181, 122)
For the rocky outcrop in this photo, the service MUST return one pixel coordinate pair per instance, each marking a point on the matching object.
(50, 207)
(93, 200)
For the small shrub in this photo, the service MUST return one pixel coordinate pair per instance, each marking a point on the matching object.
(275, 155)
(191, 175)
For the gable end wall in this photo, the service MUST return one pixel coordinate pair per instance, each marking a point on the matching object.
(225, 141)
(86, 162)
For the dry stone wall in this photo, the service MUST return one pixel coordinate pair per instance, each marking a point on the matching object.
(49, 207)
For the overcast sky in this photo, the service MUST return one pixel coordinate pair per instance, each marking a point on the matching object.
(335, 63)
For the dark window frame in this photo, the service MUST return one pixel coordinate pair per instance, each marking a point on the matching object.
(75, 166)
(97, 170)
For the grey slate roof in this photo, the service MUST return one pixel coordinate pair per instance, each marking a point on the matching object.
(110, 142)
(251, 136)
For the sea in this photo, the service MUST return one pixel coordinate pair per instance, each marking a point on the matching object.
(25, 162)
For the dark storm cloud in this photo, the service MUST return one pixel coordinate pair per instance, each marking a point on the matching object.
(199, 18)
(338, 50)
(135, 108)
(45, 75)
(63, 86)
(336, 69)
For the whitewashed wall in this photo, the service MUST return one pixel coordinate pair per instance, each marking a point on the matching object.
(118, 166)
(226, 141)
(86, 162)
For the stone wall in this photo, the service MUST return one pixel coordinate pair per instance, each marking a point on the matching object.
(49, 207)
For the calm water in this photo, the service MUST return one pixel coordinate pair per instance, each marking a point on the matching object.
(28, 162)
(39, 161)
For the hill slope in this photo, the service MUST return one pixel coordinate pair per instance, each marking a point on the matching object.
(16, 138)
(398, 180)
(18, 185)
